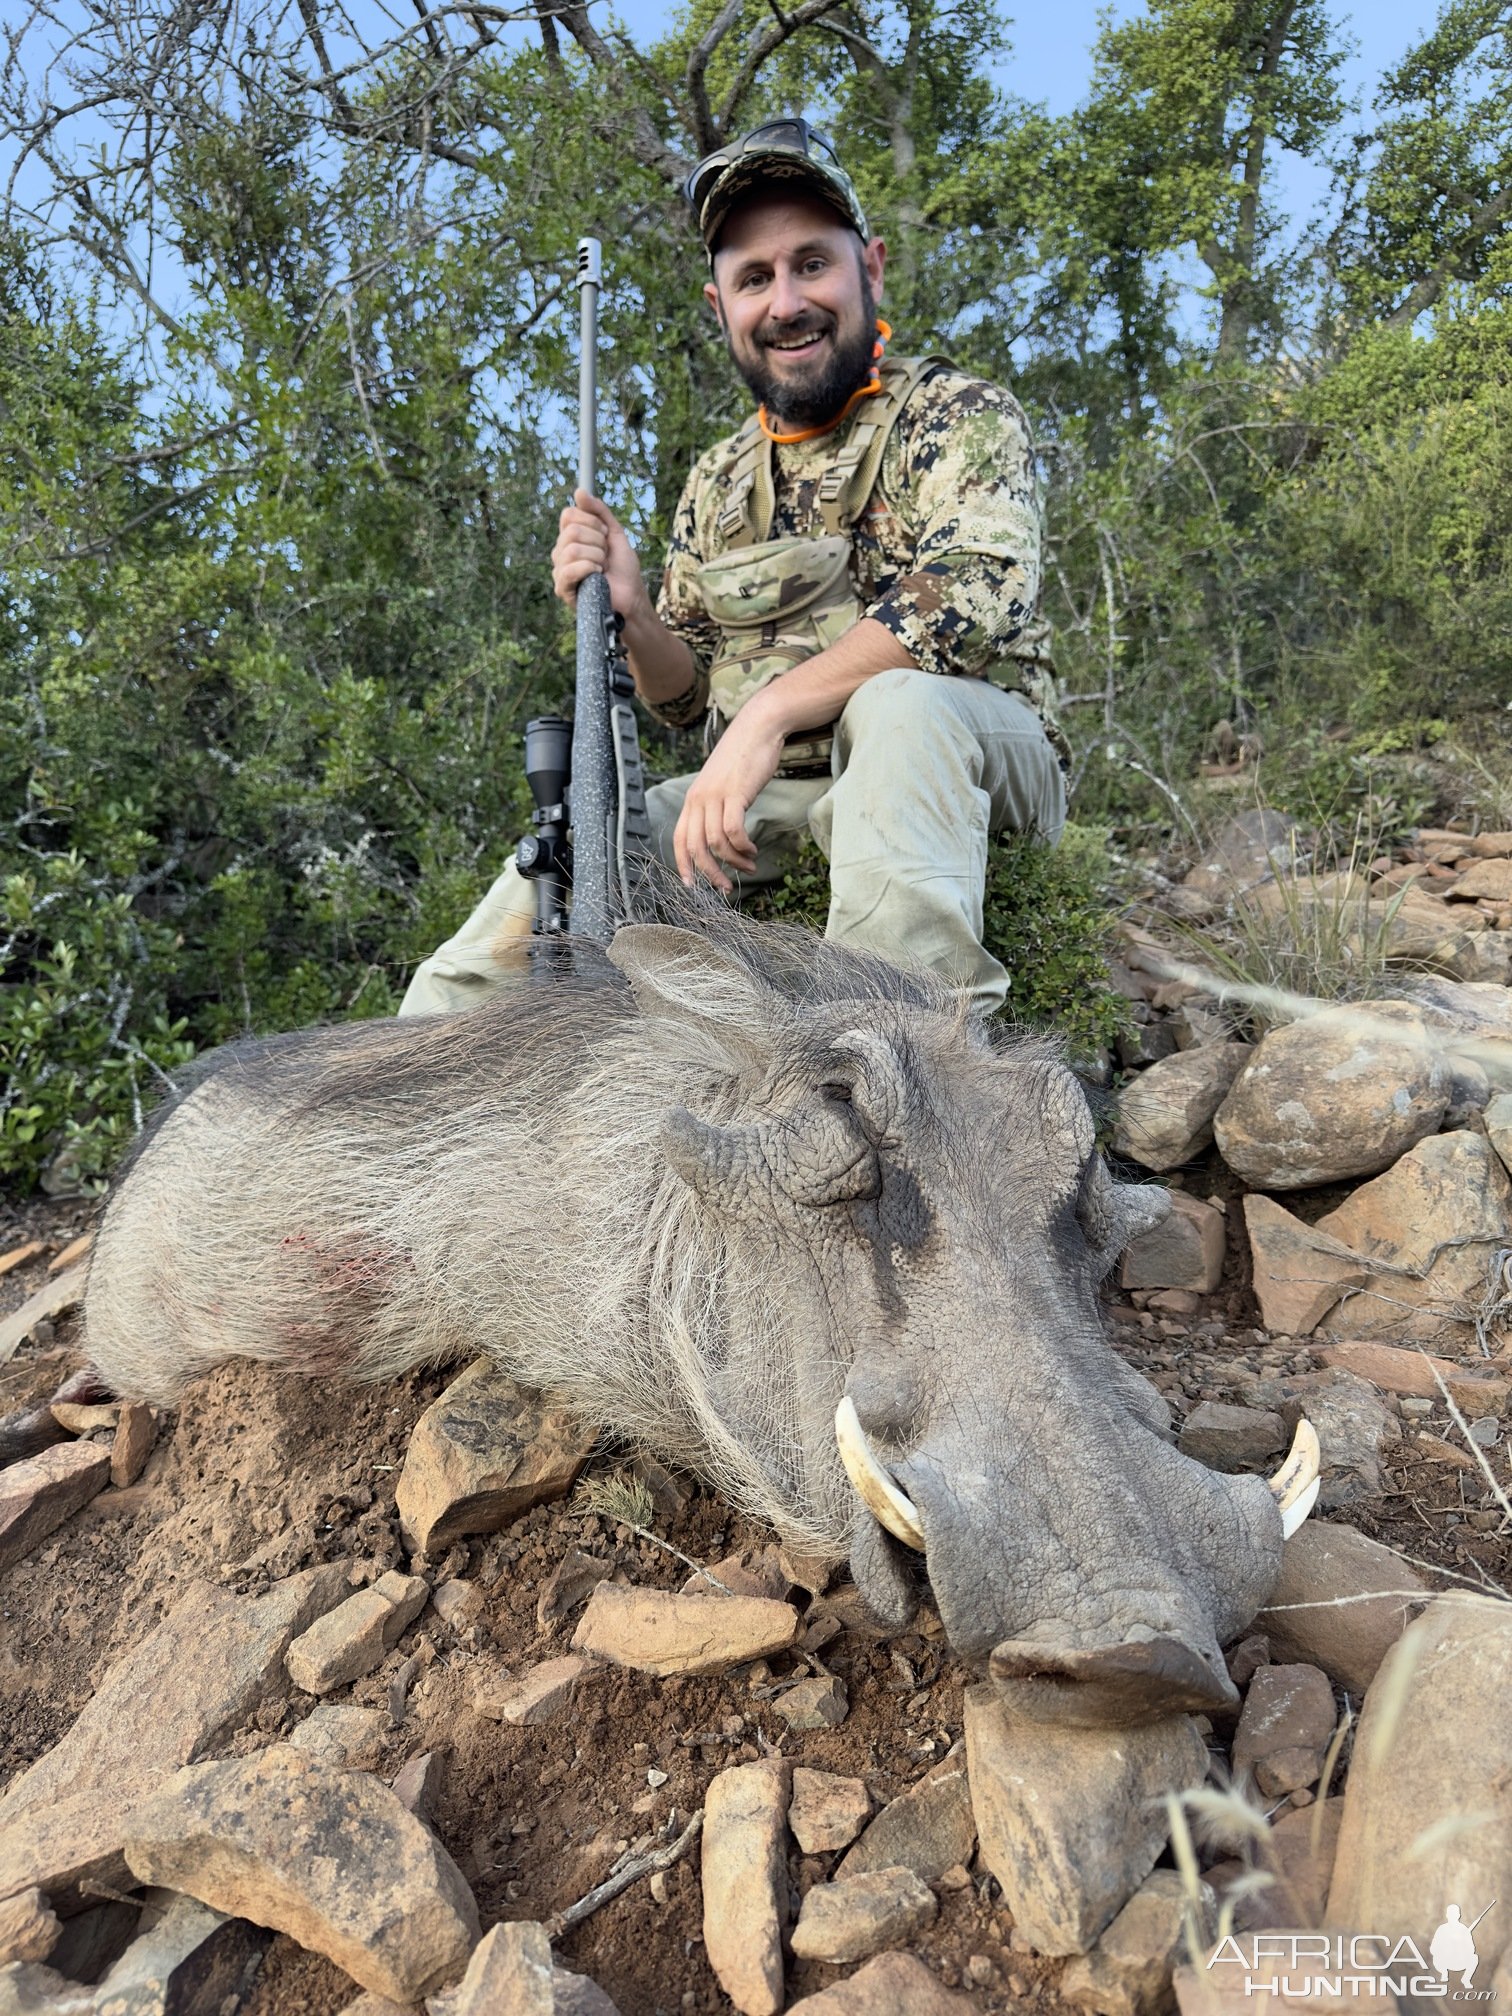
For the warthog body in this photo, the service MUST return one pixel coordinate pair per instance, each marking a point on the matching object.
(702, 1197)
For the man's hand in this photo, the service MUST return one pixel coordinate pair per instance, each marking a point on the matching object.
(591, 540)
(711, 828)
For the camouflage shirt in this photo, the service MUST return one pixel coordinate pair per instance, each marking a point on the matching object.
(946, 554)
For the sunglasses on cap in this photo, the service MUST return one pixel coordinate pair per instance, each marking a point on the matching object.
(794, 139)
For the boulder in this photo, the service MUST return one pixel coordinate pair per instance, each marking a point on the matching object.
(654, 1631)
(826, 1813)
(354, 1637)
(857, 1916)
(1128, 1972)
(40, 1492)
(511, 1973)
(545, 1693)
(929, 1828)
(1072, 1820)
(745, 1882)
(894, 1984)
(1327, 1098)
(1226, 1437)
(1299, 1273)
(1342, 1602)
(1426, 1820)
(1184, 1251)
(183, 1691)
(330, 1858)
(483, 1453)
(1285, 1728)
(1165, 1116)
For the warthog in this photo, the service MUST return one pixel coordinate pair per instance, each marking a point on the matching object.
(784, 1215)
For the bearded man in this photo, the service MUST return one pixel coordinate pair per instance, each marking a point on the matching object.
(848, 603)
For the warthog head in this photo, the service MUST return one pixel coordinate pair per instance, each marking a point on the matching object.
(929, 1218)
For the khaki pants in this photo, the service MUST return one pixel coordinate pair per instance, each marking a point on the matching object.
(925, 769)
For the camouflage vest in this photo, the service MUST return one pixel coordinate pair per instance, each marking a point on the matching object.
(778, 602)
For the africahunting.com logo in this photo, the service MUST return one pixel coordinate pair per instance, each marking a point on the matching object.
(1356, 1964)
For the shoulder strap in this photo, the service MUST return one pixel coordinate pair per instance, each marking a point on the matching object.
(848, 482)
(751, 495)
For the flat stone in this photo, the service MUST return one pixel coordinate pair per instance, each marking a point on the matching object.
(330, 1858)
(354, 1637)
(1299, 1273)
(571, 1582)
(1285, 1728)
(1426, 1820)
(654, 1631)
(511, 1973)
(813, 1704)
(19, 1255)
(28, 1926)
(827, 1812)
(1128, 1972)
(1342, 1602)
(483, 1453)
(337, 1732)
(1184, 1251)
(185, 1958)
(859, 1915)
(53, 1299)
(758, 1571)
(1165, 1117)
(1325, 1099)
(40, 1492)
(545, 1693)
(81, 1417)
(894, 1984)
(1072, 1820)
(136, 1432)
(185, 1690)
(928, 1828)
(745, 1881)
(1354, 1424)
(1489, 879)
(1417, 1374)
(1226, 1437)
(417, 1784)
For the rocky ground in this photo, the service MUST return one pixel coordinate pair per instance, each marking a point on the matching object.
(283, 1587)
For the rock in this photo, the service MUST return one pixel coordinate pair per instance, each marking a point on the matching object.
(511, 1973)
(928, 1828)
(1146, 1042)
(827, 1812)
(894, 1984)
(654, 1631)
(336, 1733)
(1300, 1854)
(1253, 848)
(354, 1637)
(1071, 1820)
(183, 1691)
(1430, 1229)
(856, 1917)
(29, 1989)
(417, 1784)
(1226, 1438)
(1299, 1273)
(1128, 1972)
(813, 1704)
(380, 2005)
(28, 1927)
(482, 1454)
(1490, 879)
(544, 1694)
(1316, 1614)
(40, 1492)
(185, 1958)
(745, 1881)
(1184, 1251)
(18, 1256)
(457, 1603)
(1353, 1425)
(64, 1293)
(81, 1417)
(1426, 1821)
(1166, 1116)
(1321, 1099)
(1499, 1127)
(756, 1572)
(1247, 1971)
(1200, 1022)
(136, 1432)
(1285, 1728)
(1417, 1374)
(571, 1582)
(576, 1995)
(332, 1859)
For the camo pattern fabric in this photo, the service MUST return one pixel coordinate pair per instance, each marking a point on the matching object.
(946, 553)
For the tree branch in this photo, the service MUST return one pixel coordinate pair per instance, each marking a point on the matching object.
(1432, 284)
(705, 132)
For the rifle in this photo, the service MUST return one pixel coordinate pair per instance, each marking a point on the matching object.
(585, 773)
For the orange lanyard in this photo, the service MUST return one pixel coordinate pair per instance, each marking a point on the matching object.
(872, 386)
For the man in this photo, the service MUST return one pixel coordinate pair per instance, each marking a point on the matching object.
(848, 600)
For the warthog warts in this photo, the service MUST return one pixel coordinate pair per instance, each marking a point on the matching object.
(786, 1216)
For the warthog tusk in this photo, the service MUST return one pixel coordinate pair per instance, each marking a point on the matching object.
(1295, 1485)
(881, 1496)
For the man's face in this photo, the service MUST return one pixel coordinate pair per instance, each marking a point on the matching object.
(796, 294)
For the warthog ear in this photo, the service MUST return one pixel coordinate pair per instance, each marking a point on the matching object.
(678, 973)
(1111, 1214)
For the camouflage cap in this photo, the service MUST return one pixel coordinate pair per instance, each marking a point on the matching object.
(783, 153)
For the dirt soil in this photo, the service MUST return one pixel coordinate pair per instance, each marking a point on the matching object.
(260, 1474)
